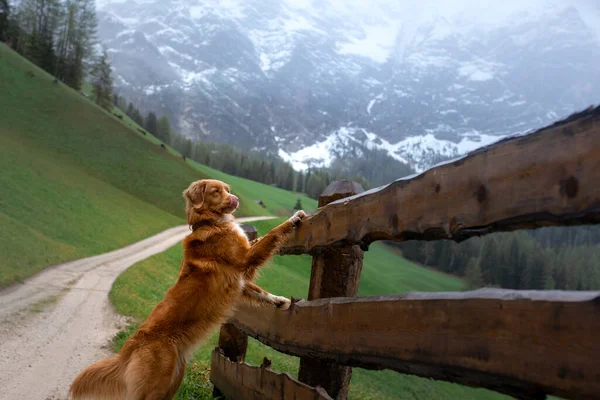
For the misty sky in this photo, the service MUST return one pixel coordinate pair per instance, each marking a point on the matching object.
(373, 26)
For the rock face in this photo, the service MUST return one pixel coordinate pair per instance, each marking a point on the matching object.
(311, 80)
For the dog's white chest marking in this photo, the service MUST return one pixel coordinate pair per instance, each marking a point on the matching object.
(238, 229)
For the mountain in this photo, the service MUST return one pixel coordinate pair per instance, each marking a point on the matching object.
(312, 80)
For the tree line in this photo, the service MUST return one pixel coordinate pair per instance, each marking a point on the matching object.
(257, 166)
(565, 258)
(59, 36)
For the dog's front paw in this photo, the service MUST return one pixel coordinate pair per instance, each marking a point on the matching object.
(282, 303)
(298, 217)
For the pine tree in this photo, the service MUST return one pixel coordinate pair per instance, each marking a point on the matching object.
(550, 284)
(560, 272)
(151, 123)
(300, 183)
(137, 117)
(49, 20)
(86, 34)
(76, 40)
(289, 180)
(130, 110)
(37, 22)
(514, 261)
(163, 130)
(593, 275)
(65, 69)
(473, 274)
(526, 273)
(187, 147)
(489, 259)
(298, 205)
(102, 84)
(122, 103)
(4, 18)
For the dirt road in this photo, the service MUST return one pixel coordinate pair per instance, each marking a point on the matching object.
(59, 321)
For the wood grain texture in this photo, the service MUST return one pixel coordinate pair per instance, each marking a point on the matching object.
(335, 273)
(245, 382)
(548, 177)
(522, 343)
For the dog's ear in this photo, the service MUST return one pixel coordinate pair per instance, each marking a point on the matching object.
(197, 200)
(187, 195)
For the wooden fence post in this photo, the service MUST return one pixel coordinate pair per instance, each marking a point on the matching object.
(335, 273)
(232, 340)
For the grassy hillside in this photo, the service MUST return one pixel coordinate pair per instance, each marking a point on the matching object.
(138, 289)
(77, 181)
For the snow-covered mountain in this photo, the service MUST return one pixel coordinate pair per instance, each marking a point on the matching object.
(308, 79)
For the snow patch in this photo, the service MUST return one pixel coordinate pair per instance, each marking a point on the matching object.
(371, 103)
(154, 89)
(446, 112)
(168, 50)
(474, 73)
(416, 151)
(375, 42)
(372, 82)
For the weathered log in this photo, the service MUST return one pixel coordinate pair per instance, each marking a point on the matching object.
(242, 381)
(522, 343)
(546, 178)
(335, 273)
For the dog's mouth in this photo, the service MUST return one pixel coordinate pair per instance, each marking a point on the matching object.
(234, 202)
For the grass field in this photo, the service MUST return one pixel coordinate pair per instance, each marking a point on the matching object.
(77, 181)
(138, 289)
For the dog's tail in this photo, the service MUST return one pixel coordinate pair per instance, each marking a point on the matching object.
(100, 381)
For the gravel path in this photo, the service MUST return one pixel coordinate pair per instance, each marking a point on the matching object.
(60, 320)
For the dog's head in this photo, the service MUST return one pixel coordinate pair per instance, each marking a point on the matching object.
(208, 197)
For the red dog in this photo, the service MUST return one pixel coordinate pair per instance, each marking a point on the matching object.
(216, 274)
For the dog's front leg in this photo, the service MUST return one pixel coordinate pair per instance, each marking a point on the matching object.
(255, 295)
(268, 245)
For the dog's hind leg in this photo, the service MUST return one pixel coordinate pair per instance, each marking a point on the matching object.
(151, 373)
(177, 377)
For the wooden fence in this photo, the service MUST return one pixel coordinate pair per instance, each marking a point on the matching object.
(522, 343)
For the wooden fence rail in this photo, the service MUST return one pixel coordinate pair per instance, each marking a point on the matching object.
(549, 177)
(240, 381)
(523, 343)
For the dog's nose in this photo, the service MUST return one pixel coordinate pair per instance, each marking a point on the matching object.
(234, 201)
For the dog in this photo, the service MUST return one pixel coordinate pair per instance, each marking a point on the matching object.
(216, 274)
